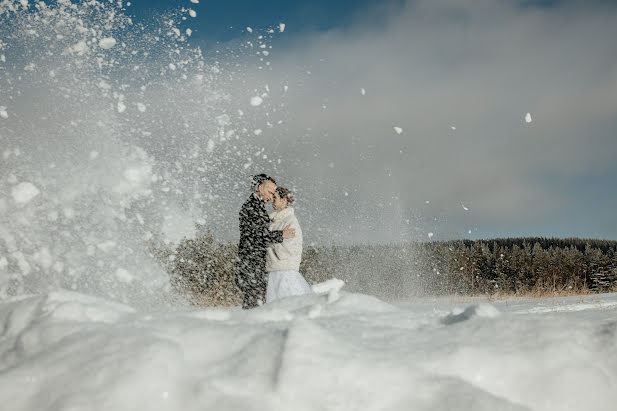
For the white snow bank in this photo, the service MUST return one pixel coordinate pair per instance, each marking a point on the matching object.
(71, 351)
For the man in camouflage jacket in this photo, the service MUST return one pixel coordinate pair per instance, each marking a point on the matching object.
(255, 237)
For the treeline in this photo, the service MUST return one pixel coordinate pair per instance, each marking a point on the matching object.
(203, 268)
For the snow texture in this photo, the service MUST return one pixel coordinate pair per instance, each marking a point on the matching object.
(305, 353)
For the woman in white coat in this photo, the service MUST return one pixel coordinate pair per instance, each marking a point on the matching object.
(283, 259)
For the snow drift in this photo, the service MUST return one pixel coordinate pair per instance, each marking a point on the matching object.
(69, 351)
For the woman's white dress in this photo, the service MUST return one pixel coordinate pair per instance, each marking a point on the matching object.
(283, 259)
(286, 283)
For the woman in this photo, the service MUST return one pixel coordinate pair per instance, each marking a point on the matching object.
(283, 259)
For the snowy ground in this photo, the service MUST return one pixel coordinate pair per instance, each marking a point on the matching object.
(69, 351)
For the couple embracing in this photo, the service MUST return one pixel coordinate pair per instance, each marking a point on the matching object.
(270, 248)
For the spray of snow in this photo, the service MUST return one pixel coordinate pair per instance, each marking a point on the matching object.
(107, 150)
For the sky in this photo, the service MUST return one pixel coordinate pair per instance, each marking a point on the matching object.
(457, 79)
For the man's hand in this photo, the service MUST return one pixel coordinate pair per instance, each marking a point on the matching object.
(289, 232)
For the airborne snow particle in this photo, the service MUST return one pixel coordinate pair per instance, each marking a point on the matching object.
(24, 192)
(107, 43)
(398, 130)
(250, 30)
(121, 107)
(189, 32)
(80, 48)
(192, 13)
(430, 235)
(282, 27)
(257, 132)
(464, 208)
(528, 118)
(256, 101)
(195, 1)
(453, 128)
(172, 66)
(123, 275)
(362, 91)
(3, 112)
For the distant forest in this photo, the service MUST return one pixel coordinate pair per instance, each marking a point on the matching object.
(203, 268)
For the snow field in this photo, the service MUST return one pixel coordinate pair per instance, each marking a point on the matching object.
(69, 351)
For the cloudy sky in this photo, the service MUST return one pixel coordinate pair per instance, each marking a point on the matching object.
(457, 77)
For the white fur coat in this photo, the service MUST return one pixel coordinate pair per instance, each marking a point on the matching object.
(288, 254)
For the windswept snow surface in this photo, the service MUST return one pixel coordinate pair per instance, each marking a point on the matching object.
(70, 351)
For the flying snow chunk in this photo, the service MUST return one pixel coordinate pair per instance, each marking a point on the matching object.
(195, 1)
(257, 132)
(121, 107)
(24, 192)
(453, 128)
(189, 32)
(362, 91)
(282, 27)
(192, 13)
(123, 275)
(250, 30)
(430, 235)
(465, 208)
(3, 112)
(107, 43)
(398, 130)
(528, 118)
(80, 48)
(256, 101)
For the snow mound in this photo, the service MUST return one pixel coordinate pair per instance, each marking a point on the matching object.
(87, 353)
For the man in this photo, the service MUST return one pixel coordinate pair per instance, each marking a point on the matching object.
(255, 237)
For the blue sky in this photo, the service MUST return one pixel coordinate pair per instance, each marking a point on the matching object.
(427, 66)
(224, 20)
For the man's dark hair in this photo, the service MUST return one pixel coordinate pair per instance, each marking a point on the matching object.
(260, 178)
